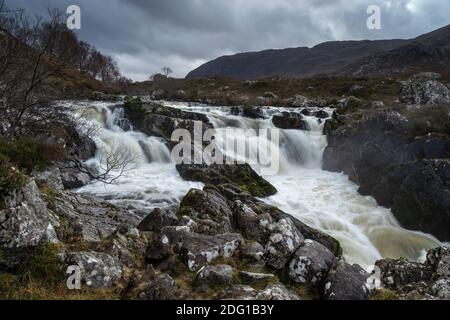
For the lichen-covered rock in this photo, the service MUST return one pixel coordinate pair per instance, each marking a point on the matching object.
(424, 89)
(284, 240)
(198, 250)
(237, 292)
(399, 274)
(98, 270)
(163, 287)
(346, 282)
(441, 289)
(88, 218)
(254, 226)
(310, 264)
(158, 249)
(210, 211)
(219, 274)
(252, 250)
(277, 292)
(26, 221)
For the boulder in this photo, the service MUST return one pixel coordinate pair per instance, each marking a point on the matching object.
(199, 250)
(424, 89)
(290, 120)
(241, 175)
(157, 219)
(248, 112)
(220, 274)
(252, 251)
(283, 242)
(210, 211)
(270, 95)
(277, 292)
(163, 287)
(346, 282)
(254, 226)
(26, 221)
(98, 270)
(310, 264)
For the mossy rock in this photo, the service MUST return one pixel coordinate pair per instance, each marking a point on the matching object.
(242, 176)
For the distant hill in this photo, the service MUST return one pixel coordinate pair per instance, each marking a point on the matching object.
(363, 58)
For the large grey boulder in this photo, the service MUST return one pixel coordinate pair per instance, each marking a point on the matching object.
(98, 270)
(310, 264)
(27, 221)
(283, 242)
(424, 89)
(346, 282)
(209, 209)
(220, 274)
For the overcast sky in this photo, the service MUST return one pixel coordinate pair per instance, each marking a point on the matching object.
(145, 35)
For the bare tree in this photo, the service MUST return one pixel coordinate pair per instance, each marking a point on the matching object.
(166, 71)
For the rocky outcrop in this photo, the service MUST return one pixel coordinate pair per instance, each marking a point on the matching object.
(406, 173)
(290, 120)
(155, 119)
(417, 281)
(346, 282)
(98, 270)
(241, 175)
(424, 89)
(26, 220)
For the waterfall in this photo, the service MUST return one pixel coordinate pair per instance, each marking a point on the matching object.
(150, 179)
(327, 201)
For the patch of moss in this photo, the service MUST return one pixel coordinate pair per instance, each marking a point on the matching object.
(384, 294)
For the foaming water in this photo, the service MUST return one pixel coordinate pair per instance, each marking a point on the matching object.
(150, 179)
(327, 201)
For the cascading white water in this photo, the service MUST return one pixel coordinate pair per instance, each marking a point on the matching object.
(324, 200)
(150, 179)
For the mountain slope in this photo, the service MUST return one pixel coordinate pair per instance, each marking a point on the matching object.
(331, 58)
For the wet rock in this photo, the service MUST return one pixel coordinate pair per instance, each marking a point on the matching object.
(290, 120)
(441, 289)
(346, 282)
(157, 219)
(310, 264)
(248, 112)
(242, 176)
(283, 242)
(98, 270)
(424, 89)
(277, 292)
(27, 221)
(252, 250)
(210, 211)
(155, 119)
(220, 274)
(439, 260)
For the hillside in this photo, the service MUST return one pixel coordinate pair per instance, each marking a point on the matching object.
(338, 57)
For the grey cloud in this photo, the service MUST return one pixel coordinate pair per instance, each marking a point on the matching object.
(144, 35)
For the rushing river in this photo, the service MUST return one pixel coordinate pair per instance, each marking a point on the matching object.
(327, 201)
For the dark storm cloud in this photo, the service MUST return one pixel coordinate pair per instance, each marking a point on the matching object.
(145, 35)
